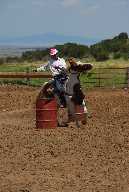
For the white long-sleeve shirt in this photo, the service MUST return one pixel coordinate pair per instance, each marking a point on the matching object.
(53, 66)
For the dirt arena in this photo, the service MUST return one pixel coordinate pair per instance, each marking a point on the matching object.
(92, 158)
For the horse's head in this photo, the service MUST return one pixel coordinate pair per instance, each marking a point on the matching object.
(79, 67)
(73, 64)
(74, 86)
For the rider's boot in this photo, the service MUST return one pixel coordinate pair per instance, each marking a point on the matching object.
(62, 100)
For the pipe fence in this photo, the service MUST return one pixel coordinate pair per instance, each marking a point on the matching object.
(99, 77)
(107, 77)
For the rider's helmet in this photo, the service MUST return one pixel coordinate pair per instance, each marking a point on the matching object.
(53, 51)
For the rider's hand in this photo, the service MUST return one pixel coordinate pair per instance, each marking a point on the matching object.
(56, 67)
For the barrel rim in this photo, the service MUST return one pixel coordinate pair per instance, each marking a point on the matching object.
(45, 98)
(45, 120)
(38, 109)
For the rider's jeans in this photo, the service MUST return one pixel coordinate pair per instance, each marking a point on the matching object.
(59, 84)
(59, 89)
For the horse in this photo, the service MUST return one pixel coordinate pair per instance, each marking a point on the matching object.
(74, 95)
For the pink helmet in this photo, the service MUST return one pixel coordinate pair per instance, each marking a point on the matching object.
(53, 51)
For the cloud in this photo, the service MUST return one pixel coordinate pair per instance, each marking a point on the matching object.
(70, 3)
(122, 3)
(25, 4)
(38, 3)
(16, 5)
(91, 10)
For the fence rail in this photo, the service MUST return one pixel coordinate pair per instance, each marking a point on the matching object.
(24, 75)
(99, 77)
(108, 77)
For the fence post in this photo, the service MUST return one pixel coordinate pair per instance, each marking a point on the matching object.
(127, 77)
(27, 79)
(99, 78)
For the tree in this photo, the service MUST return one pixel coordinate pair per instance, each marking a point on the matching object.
(123, 35)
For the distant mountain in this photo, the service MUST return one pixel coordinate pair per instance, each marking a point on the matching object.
(48, 39)
(12, 51)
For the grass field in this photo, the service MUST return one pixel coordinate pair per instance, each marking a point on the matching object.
(24, 67)
(95, 77)
(112, 77)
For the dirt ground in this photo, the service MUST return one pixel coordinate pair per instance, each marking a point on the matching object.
(92, 158)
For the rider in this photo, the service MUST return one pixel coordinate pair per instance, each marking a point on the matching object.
(58, 68)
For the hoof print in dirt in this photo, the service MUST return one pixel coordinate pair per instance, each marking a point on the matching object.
(24, 190)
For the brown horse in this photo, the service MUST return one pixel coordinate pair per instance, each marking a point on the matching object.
(73, 88)
(73, 92)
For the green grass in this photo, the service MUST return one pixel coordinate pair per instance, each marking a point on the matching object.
(24, 67)
(19, 67)
(104, 78)
(118, 77)
(110, 63)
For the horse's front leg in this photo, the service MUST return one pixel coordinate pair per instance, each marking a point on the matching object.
(62, 116)
(85, 115)
(76, 112)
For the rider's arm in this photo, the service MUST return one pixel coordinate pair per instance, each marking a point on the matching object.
(43, 67)
(62, 66)
(63, 63)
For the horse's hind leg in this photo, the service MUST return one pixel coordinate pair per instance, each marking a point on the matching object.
(72, 112)
(62, 117)
(70, 107)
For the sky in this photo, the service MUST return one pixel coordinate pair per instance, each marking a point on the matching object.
(87, 18)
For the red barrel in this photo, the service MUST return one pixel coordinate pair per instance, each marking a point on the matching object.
(46, 113)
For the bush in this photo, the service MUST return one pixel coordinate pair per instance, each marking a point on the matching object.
(125, 56)
(123, 35)
(73, 50)
(116, 55)
(2, 61)
(99, 53)
(102, 56)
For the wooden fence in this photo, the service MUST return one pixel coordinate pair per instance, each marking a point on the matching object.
(99, 77)
(26, 78)
(27, 75)
(107, 77)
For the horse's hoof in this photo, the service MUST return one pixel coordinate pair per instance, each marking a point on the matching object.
(89, 116)
(63, 125)
(84, 122)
